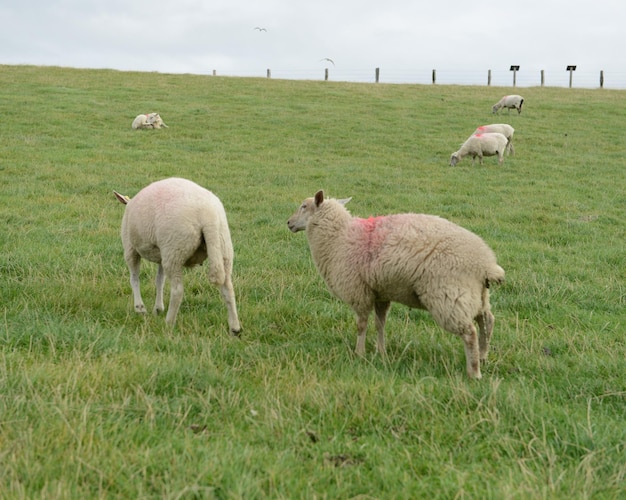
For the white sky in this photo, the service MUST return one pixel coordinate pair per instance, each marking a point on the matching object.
(406, 39)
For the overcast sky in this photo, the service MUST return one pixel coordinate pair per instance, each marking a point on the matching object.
(406, 39)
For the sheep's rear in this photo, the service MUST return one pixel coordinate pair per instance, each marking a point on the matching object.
(177, 223)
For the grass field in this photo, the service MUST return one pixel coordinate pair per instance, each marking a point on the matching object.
(97, 402)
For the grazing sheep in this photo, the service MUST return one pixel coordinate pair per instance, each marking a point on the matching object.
(500, 128)
(421, 261)
(176, 223)
(480, 145)
(150, 120)
(509, 102)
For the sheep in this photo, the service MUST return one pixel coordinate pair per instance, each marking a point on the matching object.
(422, 261)
(501, 128)
(177, 223)
(509, 102)
(489, 144)
(150, 120)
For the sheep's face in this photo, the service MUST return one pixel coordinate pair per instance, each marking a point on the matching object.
(454, 159)
(298, 221)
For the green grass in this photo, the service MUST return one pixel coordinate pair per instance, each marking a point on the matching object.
(96, 401)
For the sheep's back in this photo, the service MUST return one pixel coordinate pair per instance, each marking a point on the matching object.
(419, 248)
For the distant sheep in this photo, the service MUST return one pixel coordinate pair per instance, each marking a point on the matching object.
(421, 261)
(509, 102)
(150, 120)
(176, 223)
(480, 145)
(500, 128)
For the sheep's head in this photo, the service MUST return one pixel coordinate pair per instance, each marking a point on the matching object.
(299, 220)
(454, 159)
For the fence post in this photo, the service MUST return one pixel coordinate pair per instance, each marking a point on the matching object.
(543, 78)
(214, 72)
(601, 78)
(434, 76)
(377, 72)
(326, 74)
(489, 78)
(269, 73)
(571, 70)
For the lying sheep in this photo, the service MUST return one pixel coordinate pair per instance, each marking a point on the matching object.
(509, 102)
(500, 128)
(480, 145)
(150, 120)
(421, 261)
(176, 223)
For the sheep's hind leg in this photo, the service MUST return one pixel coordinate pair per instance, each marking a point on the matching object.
(160, 282)
(470, 338)
(381, 308)
(133, 260)
(176, 295)
(228, 294)
(485, 322)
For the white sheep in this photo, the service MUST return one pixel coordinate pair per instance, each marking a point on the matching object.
(421, 261)
(500, 128)
(150, 120)
(509, 102)
(480, 145)
(177, 223)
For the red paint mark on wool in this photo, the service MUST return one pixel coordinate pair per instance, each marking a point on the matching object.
(481, 128)
(372, 233)
(370, 223)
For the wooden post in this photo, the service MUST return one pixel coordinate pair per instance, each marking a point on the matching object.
(326, 74)
(514, 69)
(571, 70)
(434, 76)
(489, 78)
(269, 73)
(543, 78)
(214, 72)
(601, 79)
(377, 72)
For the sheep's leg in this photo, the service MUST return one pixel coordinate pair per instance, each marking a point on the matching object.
(133, 260)
(176, 294)
(470, 338)
(160, 282)
(381, 308)
(361, 327)
(228, 294)
(485, 322)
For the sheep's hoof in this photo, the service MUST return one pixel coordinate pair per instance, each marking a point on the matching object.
(235, 333)
(140, 309)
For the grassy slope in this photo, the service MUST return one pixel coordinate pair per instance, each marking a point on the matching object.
(95, 401)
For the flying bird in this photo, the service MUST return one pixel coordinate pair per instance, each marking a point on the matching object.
(260, 29)
(329, 60)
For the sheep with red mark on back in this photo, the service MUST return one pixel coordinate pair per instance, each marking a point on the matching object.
(422, 261)
(500, 128)
(480, 145)
(177, 223)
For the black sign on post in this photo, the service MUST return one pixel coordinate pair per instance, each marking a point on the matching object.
(514, 69)
(571, 70)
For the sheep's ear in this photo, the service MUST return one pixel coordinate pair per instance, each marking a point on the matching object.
(319, 198)
(121, 197)
(345, 200)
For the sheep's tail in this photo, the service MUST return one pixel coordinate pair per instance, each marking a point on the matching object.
(217, 245)
(495, 275)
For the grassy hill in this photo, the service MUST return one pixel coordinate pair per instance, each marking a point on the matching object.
(96, 401)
